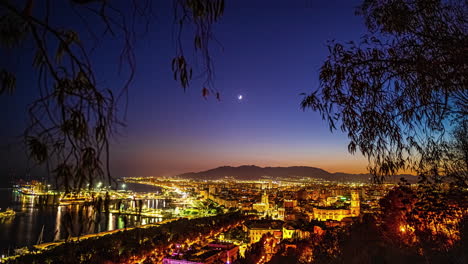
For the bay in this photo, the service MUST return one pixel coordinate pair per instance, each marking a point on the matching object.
(60, 222)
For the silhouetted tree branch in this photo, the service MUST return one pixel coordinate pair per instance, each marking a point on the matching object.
(74, 117)
(397, 92)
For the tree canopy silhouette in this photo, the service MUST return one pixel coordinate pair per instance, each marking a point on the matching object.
(71, 122)
(402, 87)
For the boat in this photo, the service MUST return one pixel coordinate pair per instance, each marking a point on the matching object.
(31, 188)
(7, 213)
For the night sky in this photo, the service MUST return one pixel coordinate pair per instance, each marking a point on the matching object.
(271, 53)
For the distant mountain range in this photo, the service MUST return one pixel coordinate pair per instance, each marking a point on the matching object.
(252, 172)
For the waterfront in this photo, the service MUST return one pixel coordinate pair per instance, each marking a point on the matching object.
(60, 222)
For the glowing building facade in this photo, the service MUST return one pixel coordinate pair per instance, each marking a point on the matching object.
(330, 213)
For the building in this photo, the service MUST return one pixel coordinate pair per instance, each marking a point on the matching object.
(337, 214)
(290, 203)
(213, 189)
(302, 195)
(204, 194)
(257, 228)
(264, 204)
(289, 232)
(278, 214)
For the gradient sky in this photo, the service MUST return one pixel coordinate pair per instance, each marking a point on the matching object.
(271, 53)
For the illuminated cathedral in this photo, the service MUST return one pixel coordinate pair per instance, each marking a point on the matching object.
(330, 213)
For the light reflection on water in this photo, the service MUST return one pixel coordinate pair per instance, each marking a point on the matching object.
(60, 222)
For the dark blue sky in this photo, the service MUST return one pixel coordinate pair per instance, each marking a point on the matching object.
(271, 53)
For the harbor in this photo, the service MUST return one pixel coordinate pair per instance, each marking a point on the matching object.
(36, 214)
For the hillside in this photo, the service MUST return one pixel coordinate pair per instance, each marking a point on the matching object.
(252, 172)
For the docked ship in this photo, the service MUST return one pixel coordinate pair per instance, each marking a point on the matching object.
(31, 187)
